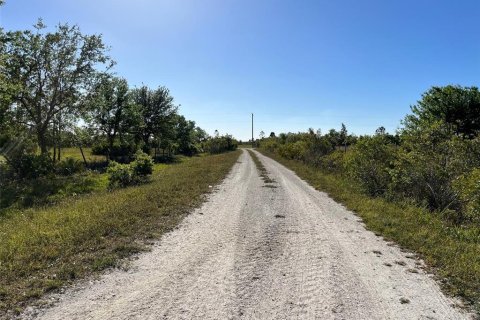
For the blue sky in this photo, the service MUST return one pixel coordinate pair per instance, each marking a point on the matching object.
(294, 64)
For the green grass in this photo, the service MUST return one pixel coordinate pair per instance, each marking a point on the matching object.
(76, 154)
(44, 248)
(452, 252)
(49, 190)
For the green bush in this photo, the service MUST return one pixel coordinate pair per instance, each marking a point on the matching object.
(32, 166)
(216, 145)
(333, 162)
(69, 166)
(428, 162)
(119, 175)
(467, 188)
(294, 151)
(122, 151)
(123, 175)
(269, 144)
(142, 165)
(369, 162)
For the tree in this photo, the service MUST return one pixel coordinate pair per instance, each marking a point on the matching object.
(110, 109)
(272, 134)
(343, 135)
(455, 106)
(53, 71)
(185, 130)
(157, 112)
(7, 90)
(380, 131)
(262, 134)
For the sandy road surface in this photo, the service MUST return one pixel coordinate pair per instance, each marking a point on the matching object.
(256, 252)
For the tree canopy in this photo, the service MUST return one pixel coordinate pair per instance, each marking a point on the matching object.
(52, 71)
(455, 106)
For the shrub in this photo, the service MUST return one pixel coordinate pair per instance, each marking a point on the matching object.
(269, 144)
(142, 165)
(294, 151)
(369, 162)
(467, 188)
(221, 144)
(123, 175)
(31, 166)
(333, 162)
(427, 164)
(119, 175)
(119, 151)
(69, 166)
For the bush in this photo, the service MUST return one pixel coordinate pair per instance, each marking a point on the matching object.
(369, 162)
(427, 164)
(220, 144)
(69, 166)
(143, 164)
(120, 151)
(333, 162)
(119, 175)
(123, 175)
(293, 151)
(269, 144)
(31, 166)
(467, 188)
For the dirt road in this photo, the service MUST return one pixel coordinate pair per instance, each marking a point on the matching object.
(282, 251)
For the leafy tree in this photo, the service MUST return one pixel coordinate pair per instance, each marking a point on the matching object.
(343, 136)
(262, 134)
(272, 134)
(200, 135)
(380, 131)
(455, 106)
(334, 137)
(111, 109)
(157, 112)
(185, 132)
(52, 70)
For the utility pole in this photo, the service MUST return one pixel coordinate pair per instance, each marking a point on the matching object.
(253, 141)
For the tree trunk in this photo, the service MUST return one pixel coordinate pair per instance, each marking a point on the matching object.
(83, 155)
(59, 135)
(42, 141)
(110, 147)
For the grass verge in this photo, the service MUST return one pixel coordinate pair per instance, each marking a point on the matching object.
(42, 249)
(453, 252)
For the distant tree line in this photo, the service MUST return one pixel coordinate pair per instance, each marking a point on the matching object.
(433, 160)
